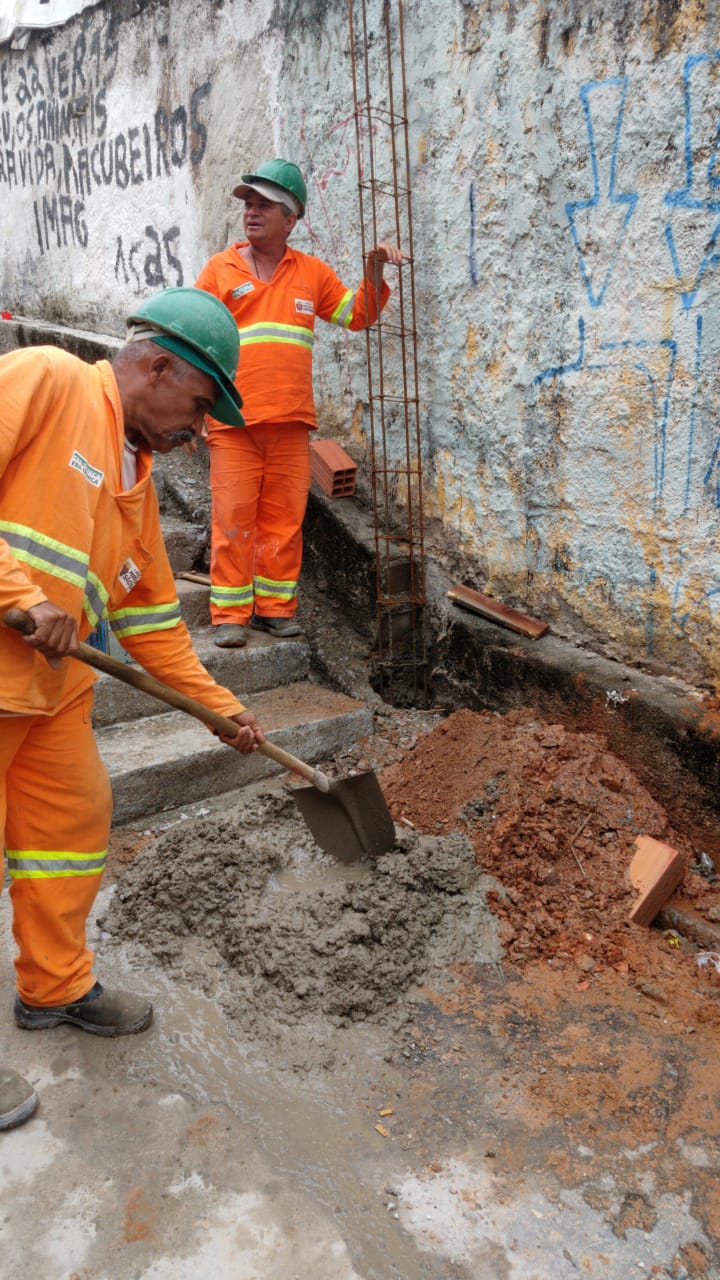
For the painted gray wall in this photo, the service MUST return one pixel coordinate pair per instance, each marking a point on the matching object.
(566, 214)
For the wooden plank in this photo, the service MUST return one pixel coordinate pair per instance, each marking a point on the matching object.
(487, 607)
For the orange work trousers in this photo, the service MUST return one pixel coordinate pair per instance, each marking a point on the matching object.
(259, 479)
(55, 811)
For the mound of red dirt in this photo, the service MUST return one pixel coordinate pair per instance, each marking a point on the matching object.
(553, 815)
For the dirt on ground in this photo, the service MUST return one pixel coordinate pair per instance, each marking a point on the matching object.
(492, 945)
(615, 1025)
(554, 816)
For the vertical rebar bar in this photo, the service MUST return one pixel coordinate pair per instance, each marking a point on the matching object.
(392, 367)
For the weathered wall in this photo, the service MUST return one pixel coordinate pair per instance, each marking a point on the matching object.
(566, 216)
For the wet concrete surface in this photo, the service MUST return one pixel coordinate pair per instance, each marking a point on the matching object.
(452, 1135)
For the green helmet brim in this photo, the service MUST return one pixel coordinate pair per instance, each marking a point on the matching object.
(229, 401)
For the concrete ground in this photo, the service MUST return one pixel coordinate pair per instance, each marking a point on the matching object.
(180, 1153)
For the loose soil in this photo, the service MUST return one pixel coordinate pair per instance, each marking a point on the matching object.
(492, 949)
(613, 1027)
(554, 816)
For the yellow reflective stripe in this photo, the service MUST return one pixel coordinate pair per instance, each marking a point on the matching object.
(49, 864)
(140, 619)
(96, 597)
(58, 560)
(268, 587)
(231, 595)
(291, 334)
(343, 312)
(46, 554)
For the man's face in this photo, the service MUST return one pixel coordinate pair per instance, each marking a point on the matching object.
(265, 222)
(170, 408)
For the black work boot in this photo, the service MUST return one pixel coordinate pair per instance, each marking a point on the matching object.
(18, 1099)
(101, 1012)
(280, 627)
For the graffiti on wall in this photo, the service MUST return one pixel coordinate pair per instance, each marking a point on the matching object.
(604, 217)
(701, 192)
(57, 144)
(606, 213)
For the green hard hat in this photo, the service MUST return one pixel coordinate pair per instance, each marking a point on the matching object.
(280, 173)
(198, 327)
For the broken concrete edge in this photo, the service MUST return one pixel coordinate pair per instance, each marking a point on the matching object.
(339, 551)
(23, 331)
(664, 734)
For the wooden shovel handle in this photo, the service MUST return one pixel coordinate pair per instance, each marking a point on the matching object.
(20, 621)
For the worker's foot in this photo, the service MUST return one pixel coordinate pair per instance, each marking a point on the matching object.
(18, 1099)
(281, 627)
(101, 1012)
(230, 635)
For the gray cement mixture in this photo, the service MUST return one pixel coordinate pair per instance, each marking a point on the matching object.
(294, 945)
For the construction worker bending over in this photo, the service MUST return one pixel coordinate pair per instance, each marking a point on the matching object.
(260, 477)
(80, 536)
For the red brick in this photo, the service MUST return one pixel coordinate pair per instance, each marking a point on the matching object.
(655, 872)
(332, 468)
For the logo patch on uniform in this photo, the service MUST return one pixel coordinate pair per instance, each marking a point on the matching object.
(129, 575)
(86, 469)
(241, 289)
(304, 306)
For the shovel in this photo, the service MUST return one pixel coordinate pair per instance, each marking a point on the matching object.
(348, 818)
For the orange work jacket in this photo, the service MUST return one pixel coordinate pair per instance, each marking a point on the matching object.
(69, 534)
(276, 323)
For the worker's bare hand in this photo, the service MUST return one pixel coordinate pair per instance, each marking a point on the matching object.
(249, 735)
(55, 635)
(382, 253)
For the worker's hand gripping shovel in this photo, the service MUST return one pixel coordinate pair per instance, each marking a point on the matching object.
(348, 818)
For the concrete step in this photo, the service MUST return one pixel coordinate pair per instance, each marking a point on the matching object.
(264, 664)
(194, 602)
(170, 760)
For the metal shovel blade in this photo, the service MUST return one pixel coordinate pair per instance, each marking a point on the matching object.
(351, 820)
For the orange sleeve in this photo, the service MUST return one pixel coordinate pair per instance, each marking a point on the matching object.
(167, 653)
(26, 392)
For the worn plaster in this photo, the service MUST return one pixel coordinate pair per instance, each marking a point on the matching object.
(565, 172)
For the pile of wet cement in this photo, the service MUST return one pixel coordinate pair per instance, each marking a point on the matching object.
(342, 950)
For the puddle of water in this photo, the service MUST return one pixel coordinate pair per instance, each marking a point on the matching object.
(311, 1131)
(306, 874)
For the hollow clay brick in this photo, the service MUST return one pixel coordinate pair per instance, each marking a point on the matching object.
(332, 468)
(655, 872)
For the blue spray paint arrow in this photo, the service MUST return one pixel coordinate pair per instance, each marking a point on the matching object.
(687, 197)
(599, 205)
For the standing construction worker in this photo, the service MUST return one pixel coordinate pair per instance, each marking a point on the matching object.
(260, 477)
(80, 537)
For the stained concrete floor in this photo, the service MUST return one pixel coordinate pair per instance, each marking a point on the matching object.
(177, 1154)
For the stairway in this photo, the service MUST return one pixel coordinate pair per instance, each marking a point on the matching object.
(160, 760)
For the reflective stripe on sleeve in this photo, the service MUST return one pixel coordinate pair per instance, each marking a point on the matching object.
(96, 598)
(57, 560)
(46, 554)
(342, 314)
(137, 621)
